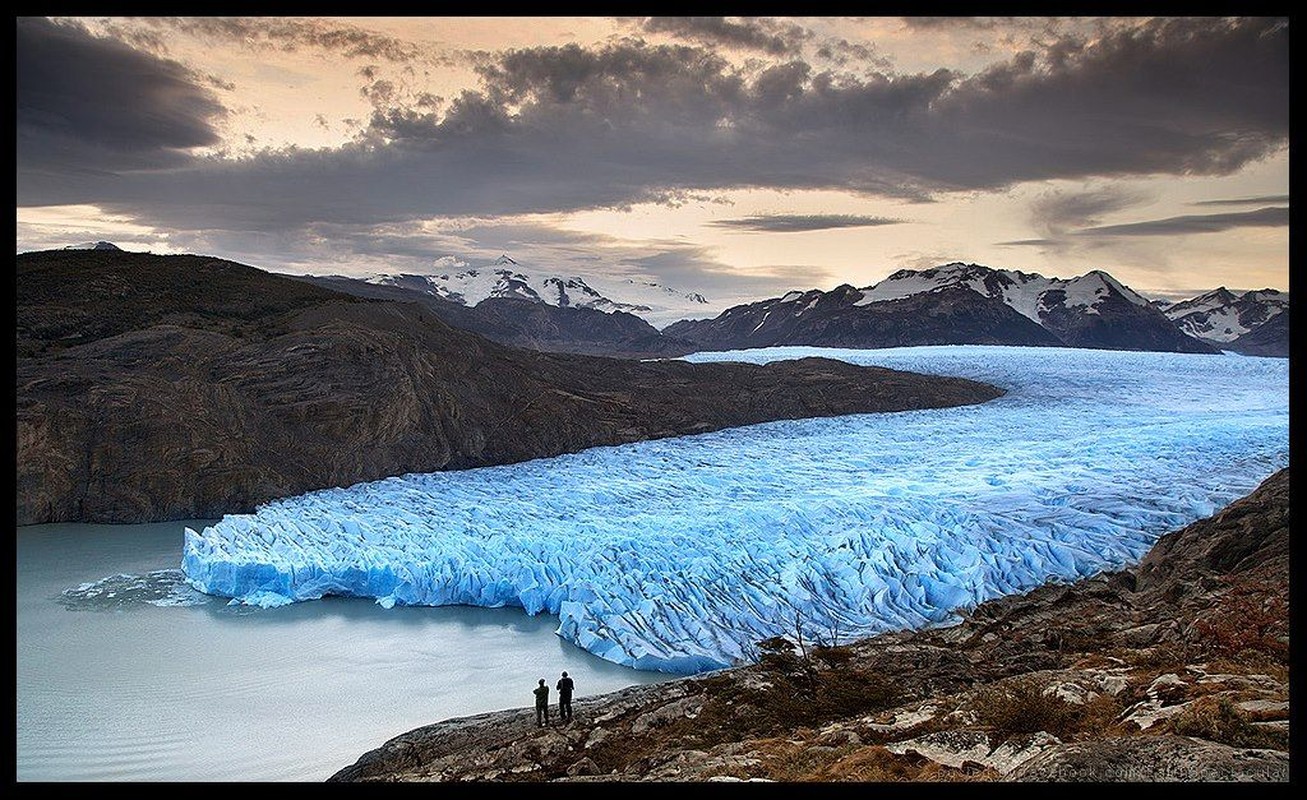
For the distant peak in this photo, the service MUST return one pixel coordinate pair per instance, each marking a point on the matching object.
(1103, 276)
(101, 245)
(504, 259)
(1220, 295)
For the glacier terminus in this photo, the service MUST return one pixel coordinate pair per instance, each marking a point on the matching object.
(678, 555)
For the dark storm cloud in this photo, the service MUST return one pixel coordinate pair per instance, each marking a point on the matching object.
(1196, 223)
(1244, 201)
(1171, 96)
(564, 128)
(789, 223)
(87, 103)
(775, 37)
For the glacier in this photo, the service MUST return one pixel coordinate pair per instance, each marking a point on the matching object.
(680, 554)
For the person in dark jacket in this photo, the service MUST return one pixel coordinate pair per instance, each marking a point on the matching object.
(542, 704)
(565, 698)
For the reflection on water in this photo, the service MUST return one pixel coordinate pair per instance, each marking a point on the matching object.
(126, 673)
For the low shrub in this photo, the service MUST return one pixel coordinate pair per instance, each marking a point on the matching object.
(1020, 706)
(1250, 618)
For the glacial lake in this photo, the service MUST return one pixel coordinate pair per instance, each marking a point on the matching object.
(139, 678)
(125, 673)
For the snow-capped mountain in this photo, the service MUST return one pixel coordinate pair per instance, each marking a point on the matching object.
(1223, 316)
(506, 278)
(519, 309)
(1030, 294)
(952, 304)
(101, 245)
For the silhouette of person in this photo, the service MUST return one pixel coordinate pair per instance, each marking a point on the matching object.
(565, 698)
(542, 704)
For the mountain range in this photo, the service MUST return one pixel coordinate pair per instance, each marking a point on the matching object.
(956, 303)
(505, 278)
(519, 320)
(538, 310)
(961, 303)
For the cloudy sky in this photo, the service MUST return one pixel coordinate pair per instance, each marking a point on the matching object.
(738, 157)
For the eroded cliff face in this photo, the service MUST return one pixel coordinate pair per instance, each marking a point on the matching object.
(169, 387)
(1176, 669)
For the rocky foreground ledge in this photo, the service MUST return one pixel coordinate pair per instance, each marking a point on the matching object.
(1174, 670)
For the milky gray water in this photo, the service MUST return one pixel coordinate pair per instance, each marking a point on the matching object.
(136, 677)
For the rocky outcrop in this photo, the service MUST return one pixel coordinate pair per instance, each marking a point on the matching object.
(168, 387)
(1176, 669)
(1153, 759)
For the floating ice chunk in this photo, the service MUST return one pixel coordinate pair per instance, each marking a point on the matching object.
(680, 554)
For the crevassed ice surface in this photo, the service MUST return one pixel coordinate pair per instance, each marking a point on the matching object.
(679, 554)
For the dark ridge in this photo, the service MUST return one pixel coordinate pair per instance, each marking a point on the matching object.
(169, 387)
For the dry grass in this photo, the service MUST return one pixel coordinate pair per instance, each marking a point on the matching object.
(1098, 718)
(787, 761)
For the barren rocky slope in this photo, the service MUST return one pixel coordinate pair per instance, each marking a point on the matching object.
(1176, 669)
(170, 387)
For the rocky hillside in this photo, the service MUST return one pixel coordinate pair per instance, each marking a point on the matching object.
(168, 387)
(1176, 669)
(951, 304)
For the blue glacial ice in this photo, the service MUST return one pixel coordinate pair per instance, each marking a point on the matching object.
(679, 554)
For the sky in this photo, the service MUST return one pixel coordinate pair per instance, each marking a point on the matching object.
(739, 157)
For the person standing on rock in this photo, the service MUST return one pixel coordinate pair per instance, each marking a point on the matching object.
(565, 698)
(542, 704)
